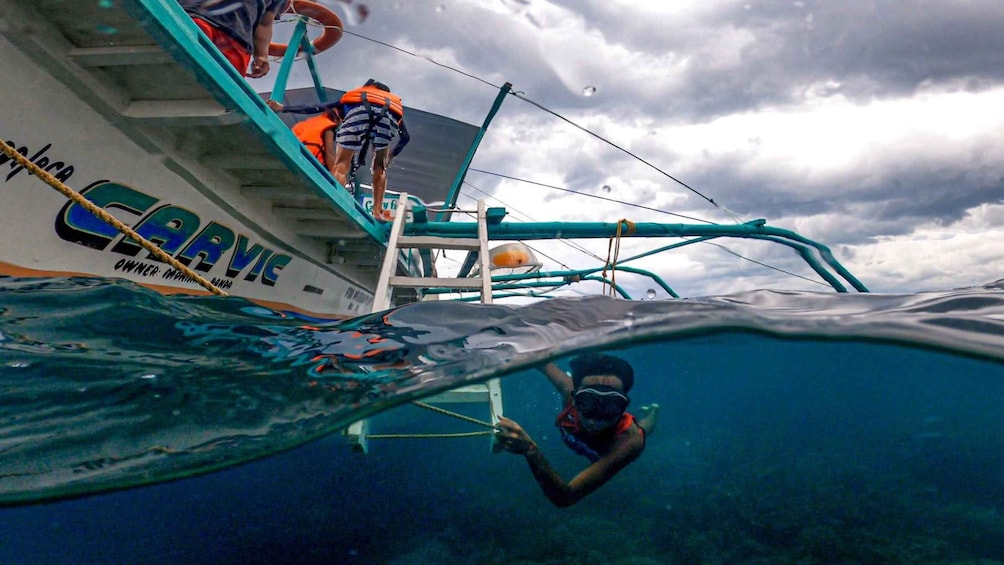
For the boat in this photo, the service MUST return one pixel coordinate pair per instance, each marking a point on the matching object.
(128, 106)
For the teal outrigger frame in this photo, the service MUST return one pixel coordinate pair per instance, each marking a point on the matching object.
(816, 255)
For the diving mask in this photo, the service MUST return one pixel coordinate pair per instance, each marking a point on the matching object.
(600, 402)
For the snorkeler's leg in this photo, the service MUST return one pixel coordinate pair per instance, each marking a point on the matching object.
(649, 413)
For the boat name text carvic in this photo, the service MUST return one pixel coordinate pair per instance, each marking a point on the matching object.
(178, 231)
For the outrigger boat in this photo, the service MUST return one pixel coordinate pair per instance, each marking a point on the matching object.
(128, 104)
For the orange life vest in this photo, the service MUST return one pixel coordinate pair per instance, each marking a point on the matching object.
(311, 133)
(376, 97)
(571, 429)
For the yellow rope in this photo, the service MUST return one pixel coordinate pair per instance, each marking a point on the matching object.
(614, 250)
(437, 436)
(455, 415)
(106, 217)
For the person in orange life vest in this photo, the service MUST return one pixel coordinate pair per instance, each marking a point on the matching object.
(318, 132)
(594, 423)
(371, 116)
(240, 29)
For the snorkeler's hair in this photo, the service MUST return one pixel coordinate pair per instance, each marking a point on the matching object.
(589, 364)
(378, 85)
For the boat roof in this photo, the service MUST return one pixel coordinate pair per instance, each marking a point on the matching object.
(428, 166)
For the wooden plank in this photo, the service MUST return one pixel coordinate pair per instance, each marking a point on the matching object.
(183, 113)
(435, 242)
(436, 282)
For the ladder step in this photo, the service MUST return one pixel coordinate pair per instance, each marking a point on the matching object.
(434, 242)
(469, 393)
(435, 282)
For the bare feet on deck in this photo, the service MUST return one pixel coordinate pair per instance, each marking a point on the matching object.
(648, 416)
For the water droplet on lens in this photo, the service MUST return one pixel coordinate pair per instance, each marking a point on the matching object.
(441, 8)
(362, 11)
(516, 5)
(606, 188)
(650, 294)
(589, 90)
(629, 319)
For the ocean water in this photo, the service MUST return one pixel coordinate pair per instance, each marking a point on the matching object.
(794, 428)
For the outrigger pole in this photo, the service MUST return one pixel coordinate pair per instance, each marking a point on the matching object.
(810, 251)
(454, 194)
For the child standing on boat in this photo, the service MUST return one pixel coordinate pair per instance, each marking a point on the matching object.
(240, 29)
(371, 114)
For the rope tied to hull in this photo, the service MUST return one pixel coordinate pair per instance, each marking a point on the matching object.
(107, 218)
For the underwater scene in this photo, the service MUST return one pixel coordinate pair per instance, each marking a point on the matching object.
(793, 428)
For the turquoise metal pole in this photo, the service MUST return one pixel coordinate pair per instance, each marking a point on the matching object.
(322, 96)
(299, 37)
(755, 229)
(451, 197)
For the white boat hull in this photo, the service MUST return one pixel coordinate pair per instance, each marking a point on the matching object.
(251, 241)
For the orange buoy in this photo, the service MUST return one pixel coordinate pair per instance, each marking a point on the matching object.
(320, 14)
(514, 255)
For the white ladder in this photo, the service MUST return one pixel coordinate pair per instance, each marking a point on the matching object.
(489, 392)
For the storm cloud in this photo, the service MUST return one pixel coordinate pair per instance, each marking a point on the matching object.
(873, 126)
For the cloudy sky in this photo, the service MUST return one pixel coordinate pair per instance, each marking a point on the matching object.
(872, 126)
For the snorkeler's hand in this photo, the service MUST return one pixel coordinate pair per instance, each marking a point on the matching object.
(513, 438)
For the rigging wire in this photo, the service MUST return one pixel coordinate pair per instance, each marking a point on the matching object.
(618, 147)
(614, 200)
(567, 242)
(540, 106)
(416, 55)
(754, 261)
(735, 217)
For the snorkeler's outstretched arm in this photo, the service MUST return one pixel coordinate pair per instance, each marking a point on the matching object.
(559, 492)
(560, 379)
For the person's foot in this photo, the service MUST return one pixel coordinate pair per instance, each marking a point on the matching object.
(383, 216)
(646, 421)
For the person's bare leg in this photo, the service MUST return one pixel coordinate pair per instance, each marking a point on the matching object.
(379, 183)
(343, 161)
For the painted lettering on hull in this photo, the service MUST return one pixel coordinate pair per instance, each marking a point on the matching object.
(178, 231)
(57, 168)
